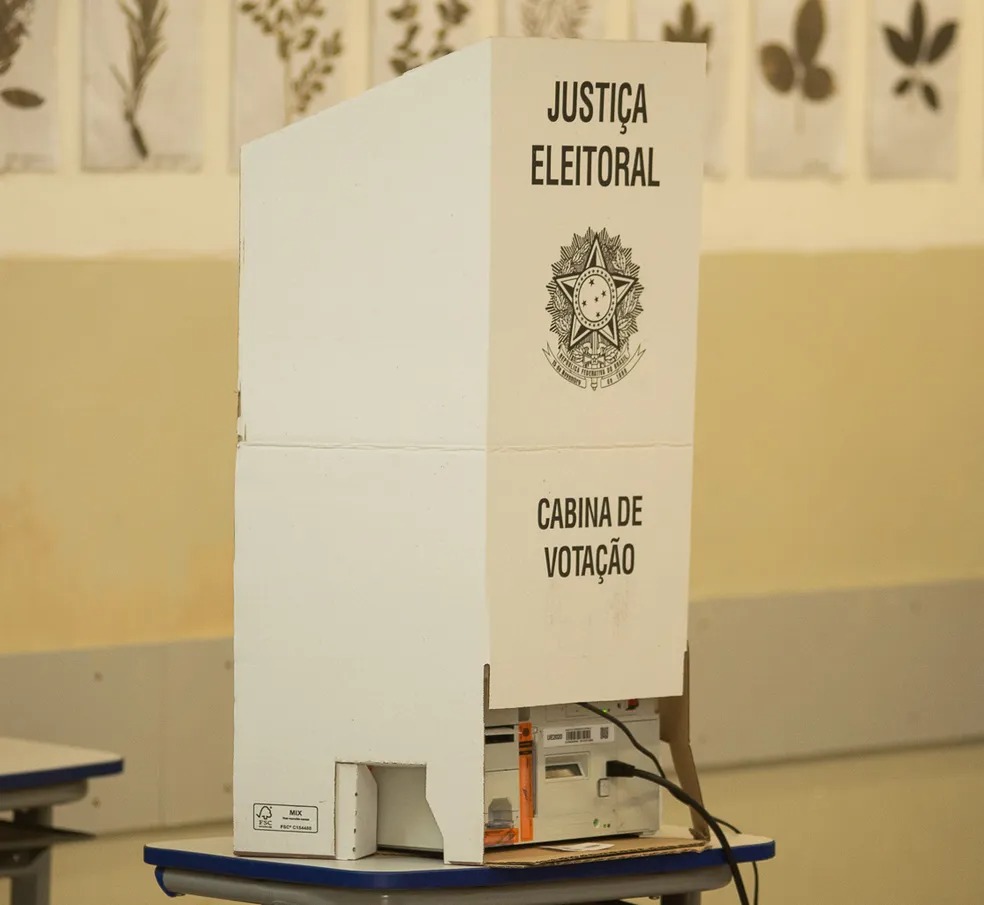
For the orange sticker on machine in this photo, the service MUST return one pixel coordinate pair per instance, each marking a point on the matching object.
(504, 836)
(526, 782)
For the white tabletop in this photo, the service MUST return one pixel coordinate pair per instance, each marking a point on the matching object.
(25, 762)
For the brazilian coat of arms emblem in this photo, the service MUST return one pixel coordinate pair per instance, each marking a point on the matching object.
(594, 308)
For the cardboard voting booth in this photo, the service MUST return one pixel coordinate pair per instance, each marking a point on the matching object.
(468, 311)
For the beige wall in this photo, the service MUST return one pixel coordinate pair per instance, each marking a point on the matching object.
(117, 439)
(838, 443)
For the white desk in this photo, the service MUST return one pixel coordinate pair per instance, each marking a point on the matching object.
(207, 867)
(34, 778)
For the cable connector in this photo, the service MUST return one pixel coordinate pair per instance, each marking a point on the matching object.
(619, 768)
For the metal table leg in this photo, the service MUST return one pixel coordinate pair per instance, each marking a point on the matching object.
(32, 884)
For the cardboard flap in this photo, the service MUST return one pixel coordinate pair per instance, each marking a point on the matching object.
(674, 729)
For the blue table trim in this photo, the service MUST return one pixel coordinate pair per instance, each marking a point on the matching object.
(285, 871)
(58, 776)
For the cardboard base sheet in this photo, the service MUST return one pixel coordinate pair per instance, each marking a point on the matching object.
(596, 850)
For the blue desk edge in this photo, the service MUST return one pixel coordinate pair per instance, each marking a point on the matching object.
(286, 871)
(59, 775)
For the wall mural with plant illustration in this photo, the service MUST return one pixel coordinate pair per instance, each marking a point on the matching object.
(27, 84)
(143, 78)
(798, 110)
(409, 33)
(708, 22)
(290, 59)
(914, 62)
(142, 88)
(554, 18)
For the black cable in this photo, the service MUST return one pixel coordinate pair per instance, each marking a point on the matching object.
(659, 769)
(628, 734)
(620, 768)
(755, 867)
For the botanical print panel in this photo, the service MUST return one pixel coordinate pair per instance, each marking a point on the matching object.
(289, 62)
(799, 78)
(913, 87)
(28, 110)
(142, 104)
(554, 18)
(409, 33)
(708, 22)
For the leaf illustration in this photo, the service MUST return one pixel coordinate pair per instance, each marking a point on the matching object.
(941, 41)
(15, 21)
(810, 27)
(307, 39)
(401, 13)
(530, 20)
(777, 66)
(21, 97)
(452, 14)
(554, 18)
(902, 48)
(688, 18)
(687, 31)
(299, 37)
(917, 26)
(818, 83)
(908, 49)
(571, 20)
(145, 26)
(797, 68)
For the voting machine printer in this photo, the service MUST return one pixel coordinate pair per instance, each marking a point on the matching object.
(467, 352)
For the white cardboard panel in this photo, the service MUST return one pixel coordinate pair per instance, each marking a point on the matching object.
(360, 632)
(106, 699)
(588, 609)
(374, 542)
(196, 780)
(561, 376)
(360, 224)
